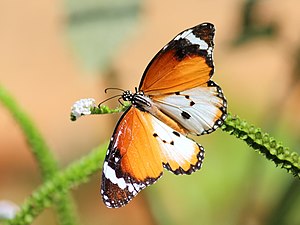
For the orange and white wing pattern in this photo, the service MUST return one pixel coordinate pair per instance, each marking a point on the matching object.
(184, 63)
(179, 154)
(200, 110)
(178, 81)
(132, 161)
(175, 98)
(139, 149)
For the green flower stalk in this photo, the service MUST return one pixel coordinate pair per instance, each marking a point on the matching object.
(262, 142)
(49, 192)
(45, 160)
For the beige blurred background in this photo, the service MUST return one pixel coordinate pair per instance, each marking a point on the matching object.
(39, 67)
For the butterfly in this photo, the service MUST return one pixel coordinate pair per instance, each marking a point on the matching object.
(175, 98)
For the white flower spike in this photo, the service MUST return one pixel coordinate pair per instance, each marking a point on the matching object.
(82, 107)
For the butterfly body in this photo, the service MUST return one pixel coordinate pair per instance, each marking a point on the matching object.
(175, 98)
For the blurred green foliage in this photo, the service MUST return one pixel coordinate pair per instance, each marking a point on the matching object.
(97, 28)
(251, 25)
(43, 155)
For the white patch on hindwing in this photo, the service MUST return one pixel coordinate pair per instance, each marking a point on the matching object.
(174, 145)
(195, 109)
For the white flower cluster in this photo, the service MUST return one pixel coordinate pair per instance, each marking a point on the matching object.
(82, 107)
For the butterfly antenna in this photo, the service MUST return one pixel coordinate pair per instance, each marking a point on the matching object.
(120, 96)
(118, 89)
(119, 100)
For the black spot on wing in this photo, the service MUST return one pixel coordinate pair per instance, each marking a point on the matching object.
(176, 133)
(171, 142)
(185, 115)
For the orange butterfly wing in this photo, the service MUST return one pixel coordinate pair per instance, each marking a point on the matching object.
(139, 149)
(181, 72)
(132, 160)
(185, 62)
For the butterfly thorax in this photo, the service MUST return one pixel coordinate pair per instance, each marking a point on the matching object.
(138, 99)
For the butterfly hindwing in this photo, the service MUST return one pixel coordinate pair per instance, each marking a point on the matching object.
(140, 147)
(184, 63)
(199, 110)
(179, 154)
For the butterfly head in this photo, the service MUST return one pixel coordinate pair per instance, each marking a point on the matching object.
(138, 100)
(127, 96)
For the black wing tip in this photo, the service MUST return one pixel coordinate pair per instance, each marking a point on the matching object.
(206, 26)
(206, 31)
(115, 197)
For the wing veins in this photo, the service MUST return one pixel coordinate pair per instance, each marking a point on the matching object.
(169, 148)
(149, 141)
(181, 109)
(173, 86)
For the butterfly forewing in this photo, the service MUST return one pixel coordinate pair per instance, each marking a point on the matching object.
(132, 161)
(184, 63)
(140, 147)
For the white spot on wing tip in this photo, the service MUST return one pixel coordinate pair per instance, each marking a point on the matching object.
(183, 35)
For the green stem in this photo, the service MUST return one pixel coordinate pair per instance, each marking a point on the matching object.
(263, 143)
(42, 154)
(103, 109)
(46, 195)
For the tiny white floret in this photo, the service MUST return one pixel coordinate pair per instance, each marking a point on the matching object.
(8, 209)
(82, 107)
